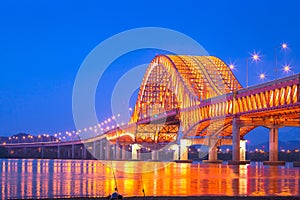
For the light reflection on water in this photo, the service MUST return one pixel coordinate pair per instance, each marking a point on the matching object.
(57, 178)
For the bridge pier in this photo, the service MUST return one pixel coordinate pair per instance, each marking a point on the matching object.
(94, 149)
(235, 140)
(243, 150)
(100, 157)
(25, 151)
(175, 148)
(84, 152)
(58, 151)
(69, 153)
(213, 151)
(273, 148)
(117, 152)
(184, 145)
(154, 155)
(107, 150)
(73, 151)
(42, 152)
(124, 152)
(236, 144)
(135, 148)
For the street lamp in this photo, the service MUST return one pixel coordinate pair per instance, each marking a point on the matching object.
(262, 76)
(287, 68)
(231, 66)
(283, 46)
(255, 57)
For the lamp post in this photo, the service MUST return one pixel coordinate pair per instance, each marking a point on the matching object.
(262, 76)
(283, 46)
(287, 68)
(255, 57)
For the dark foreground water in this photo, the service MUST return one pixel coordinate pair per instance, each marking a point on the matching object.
(30, 178)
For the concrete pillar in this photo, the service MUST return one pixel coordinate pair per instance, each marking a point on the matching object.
(213, 151)
(154, 155)
(273, 148)
(175, 148)
(213, 154)
(101, 150)
(58, 151)
(42, 152)
(107, 150)
(73, 151)
(124, 152)
(94, 149)
(118, 152)
(238, 150)
(184, 145)
(69, 153)
(273, 144)
(135, 148)
(84, 152)
(25, 151)
(243, 150)
(235, 140)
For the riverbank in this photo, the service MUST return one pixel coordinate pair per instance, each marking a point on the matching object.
(198, 198)
(215, 197)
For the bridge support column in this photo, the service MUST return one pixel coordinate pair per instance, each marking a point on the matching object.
(273, 148)
(184, 145)
(235, 140)
(69, 153)
(25, 152)
(107, 150)
(42, 152)
(73, 151)
(84, 152)
(213, 151)
(124, 152)
(100, 157)
(94, 149)
(118, 152)
(154, 155)
(236, 144)
(175, 148)
(135, 148)
(243, 150)
(58, 152)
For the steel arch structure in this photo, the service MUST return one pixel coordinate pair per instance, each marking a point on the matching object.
(172, 82)
(178, 82)
(200, 96)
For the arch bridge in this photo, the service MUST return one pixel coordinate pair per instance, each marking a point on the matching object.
(198, 100)
(185, 100)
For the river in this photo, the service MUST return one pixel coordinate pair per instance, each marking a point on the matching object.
(40, 178)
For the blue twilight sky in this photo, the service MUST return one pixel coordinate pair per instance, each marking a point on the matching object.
(43, 43)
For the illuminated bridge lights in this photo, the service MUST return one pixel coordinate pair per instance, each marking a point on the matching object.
(200, 96)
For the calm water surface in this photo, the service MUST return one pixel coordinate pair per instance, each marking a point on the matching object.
(29, 178)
